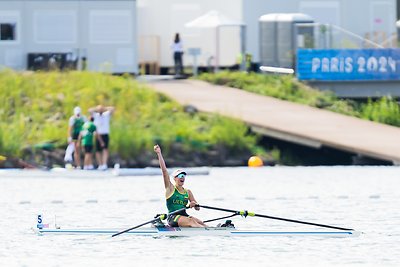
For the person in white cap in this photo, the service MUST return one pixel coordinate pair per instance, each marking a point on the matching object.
(177, 196)
(75, 124)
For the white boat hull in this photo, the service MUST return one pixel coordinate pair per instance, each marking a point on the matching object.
(209, 231)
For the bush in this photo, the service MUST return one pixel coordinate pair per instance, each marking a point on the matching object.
(35, 108)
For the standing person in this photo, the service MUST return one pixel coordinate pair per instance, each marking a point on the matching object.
(177, 48)
(102, 117)
(177, 196)
(75, 124)
(86, 136)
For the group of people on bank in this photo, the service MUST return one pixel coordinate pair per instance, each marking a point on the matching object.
(88, 136)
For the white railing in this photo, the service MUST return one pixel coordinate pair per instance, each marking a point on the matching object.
(328, 36)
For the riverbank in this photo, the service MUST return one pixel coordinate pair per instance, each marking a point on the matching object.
(36, 106)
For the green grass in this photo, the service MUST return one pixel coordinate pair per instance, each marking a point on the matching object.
(35, 108)
(384, 110)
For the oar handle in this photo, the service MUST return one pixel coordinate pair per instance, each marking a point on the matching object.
(164, 216)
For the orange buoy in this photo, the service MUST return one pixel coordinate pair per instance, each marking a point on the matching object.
(255, 161)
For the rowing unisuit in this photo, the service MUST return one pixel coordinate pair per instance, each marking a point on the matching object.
(177, 201)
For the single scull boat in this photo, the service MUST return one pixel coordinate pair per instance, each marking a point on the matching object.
(182, 231)
(227, 229)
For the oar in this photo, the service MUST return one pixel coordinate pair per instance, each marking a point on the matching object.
(246, 213)
(159, 216)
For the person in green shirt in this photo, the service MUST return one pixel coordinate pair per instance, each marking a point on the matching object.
(75, 124)
(86, 138)
(178, 197)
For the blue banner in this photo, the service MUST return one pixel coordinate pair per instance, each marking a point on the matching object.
(348, 64)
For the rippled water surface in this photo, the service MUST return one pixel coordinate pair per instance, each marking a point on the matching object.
(364, 198)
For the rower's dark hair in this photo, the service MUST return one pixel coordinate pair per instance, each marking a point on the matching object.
(177, 38)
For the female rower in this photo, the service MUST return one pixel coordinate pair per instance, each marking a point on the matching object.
(177, 196)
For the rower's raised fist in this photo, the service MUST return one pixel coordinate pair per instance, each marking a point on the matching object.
(157, 149)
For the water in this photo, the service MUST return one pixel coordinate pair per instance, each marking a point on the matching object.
(363, 198)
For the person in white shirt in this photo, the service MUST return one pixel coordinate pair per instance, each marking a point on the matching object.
(102, 117)
(177, 48)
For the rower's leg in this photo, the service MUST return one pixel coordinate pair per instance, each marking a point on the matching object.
(184, 221)
(198, 221)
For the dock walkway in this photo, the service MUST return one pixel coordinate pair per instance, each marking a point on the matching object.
(288, 121)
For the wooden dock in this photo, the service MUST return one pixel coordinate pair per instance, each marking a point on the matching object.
(288, 121)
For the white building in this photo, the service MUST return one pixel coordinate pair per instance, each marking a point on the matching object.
(371, 19)
(116, 35)
(98, 34)
(159, 20)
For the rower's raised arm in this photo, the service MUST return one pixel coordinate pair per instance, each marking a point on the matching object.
(167, 181)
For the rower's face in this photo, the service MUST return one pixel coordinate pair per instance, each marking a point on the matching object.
(180, 179)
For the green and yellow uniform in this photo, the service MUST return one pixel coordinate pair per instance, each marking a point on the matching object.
(177, 201)
(87, 133)
(76, 125)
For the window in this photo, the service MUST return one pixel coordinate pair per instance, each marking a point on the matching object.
(9, 27)
(110, 26)
(55, 26)
(7, 31)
